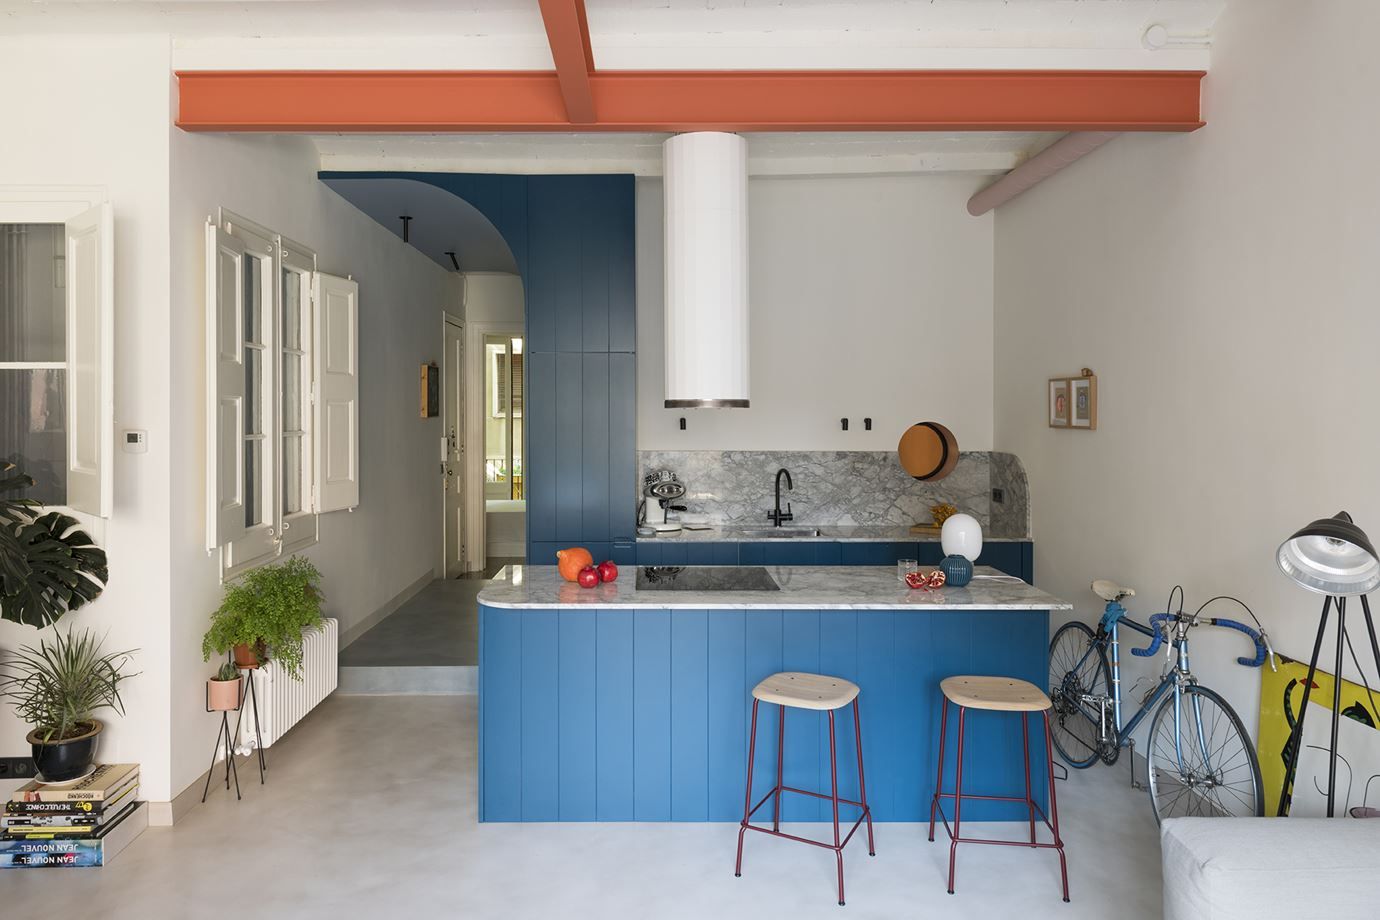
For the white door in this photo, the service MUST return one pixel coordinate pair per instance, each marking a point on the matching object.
(452, 463)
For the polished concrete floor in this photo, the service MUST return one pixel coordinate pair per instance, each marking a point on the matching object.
(369, 812)
(439, 627)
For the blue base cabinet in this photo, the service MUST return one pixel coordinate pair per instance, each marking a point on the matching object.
(1012, 558)
(647, 716)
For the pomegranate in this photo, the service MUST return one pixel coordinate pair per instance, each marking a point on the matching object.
(588, 577)
(608, 571)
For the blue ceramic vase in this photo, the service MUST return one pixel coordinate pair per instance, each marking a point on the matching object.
(958, 571)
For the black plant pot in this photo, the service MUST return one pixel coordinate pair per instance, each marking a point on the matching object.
(60, 761)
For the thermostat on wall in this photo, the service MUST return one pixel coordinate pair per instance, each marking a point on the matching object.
(136, 442)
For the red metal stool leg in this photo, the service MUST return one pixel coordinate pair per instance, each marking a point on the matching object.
(958, 801)
(1025, 747)
(834, 800)
(780, 760)
(1054, 809)
(747, 796)
(862, 783)
(939, 779)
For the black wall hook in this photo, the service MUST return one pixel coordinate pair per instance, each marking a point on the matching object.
(407, 220)
(844, 423)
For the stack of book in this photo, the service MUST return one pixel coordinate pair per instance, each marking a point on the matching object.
(82, 823)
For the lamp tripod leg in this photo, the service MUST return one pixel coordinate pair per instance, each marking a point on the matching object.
(1295, 739)
(1336, 710)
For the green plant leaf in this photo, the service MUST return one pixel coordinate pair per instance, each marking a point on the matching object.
(66, 571)
(61, 684)
(272, 604)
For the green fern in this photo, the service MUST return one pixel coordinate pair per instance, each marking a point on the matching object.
(272, 604)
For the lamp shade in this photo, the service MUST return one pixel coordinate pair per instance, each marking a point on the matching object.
(961, 535)
(706, 271)
(1331, 556)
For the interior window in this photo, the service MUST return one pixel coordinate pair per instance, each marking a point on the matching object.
(33, 360)
(295, 391)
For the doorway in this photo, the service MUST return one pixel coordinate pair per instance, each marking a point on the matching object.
(505, 504)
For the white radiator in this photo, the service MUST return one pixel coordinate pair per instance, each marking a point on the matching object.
(284, 701)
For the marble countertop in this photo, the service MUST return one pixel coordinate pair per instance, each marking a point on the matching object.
(837, 533)
(802, 588)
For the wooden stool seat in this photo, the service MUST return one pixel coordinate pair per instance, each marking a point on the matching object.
(996, 694)
(807, 691)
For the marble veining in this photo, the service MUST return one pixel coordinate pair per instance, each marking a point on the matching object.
(801, 588)
(877, 533)
(735, 489)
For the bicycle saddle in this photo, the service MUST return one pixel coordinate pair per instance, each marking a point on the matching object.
(1111, 591)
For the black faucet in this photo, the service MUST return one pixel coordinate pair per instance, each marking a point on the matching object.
(777, 516)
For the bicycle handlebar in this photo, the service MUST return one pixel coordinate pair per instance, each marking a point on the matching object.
(1259, 641)
(1157, 638)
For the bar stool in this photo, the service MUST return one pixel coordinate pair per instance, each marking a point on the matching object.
(995, 694)
(796, 690)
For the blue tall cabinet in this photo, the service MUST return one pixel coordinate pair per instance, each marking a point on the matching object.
(574, 243)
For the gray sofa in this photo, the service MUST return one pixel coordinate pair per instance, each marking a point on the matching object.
(1262, 868)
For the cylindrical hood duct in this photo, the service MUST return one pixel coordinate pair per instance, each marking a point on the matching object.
(706, 271)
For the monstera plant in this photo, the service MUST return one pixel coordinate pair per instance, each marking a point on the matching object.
(48, 565)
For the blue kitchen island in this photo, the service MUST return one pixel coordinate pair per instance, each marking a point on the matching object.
(618, 704)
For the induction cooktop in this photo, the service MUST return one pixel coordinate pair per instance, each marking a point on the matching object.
(705, 578)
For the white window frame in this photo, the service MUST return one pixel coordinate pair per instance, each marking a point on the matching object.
(58, 205)
(280, 534)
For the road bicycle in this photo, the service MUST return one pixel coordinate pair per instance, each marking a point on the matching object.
(1199, 758)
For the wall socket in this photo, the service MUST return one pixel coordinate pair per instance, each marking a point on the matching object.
(998, 496)
(17, 768)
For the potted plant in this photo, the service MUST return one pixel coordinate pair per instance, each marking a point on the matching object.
(56, 688)
(48, 566)
(263, 615)
(223, 690)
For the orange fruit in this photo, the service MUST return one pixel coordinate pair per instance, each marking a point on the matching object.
(570, 561)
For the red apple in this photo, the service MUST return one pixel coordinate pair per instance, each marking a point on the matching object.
(608, 571)
(588, 577)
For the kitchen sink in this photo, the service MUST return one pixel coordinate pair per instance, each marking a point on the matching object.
(781, 533)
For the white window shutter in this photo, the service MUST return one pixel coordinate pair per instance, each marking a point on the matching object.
(336, 301)
(225, 388)
(91, 361)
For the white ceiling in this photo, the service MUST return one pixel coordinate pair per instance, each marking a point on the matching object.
(635, 34)
(773, 154)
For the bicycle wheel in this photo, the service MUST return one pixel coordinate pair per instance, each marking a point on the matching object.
(1077, 669)
(1212, 769)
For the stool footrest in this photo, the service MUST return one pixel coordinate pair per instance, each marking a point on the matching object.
(1044, 819)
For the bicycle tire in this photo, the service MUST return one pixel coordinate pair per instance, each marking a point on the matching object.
(1065, 650)
(1180, 799)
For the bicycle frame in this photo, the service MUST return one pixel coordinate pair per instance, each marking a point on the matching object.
(1172, 681)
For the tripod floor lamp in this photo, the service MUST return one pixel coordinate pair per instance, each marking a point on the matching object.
(1335, 558)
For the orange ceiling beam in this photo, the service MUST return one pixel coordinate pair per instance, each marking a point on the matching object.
(567, 31)
(498, 101)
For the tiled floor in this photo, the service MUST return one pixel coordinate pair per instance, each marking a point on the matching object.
(369, 812)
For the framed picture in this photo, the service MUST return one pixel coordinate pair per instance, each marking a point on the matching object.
(431, 391)
(1073, 401)
(1083, 401)
(1059, 403)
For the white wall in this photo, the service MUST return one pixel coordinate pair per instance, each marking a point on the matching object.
(870, 297)
(369, 556)
(101, 120)
(1222, 285)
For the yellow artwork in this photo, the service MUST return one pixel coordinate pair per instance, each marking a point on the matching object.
(1358, 741)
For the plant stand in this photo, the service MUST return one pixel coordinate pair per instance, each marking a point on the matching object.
(223, 732)
(254, 707)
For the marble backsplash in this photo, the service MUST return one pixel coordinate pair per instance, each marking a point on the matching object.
(734, 488)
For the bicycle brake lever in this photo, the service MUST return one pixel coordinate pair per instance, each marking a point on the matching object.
(1269, 651)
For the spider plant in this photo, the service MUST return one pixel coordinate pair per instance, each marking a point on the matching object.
(48, 565)
(60, 685)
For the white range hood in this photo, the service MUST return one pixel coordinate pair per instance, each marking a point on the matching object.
(706, 271)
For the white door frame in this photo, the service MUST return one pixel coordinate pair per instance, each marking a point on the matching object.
(476, 552)
(450, 319)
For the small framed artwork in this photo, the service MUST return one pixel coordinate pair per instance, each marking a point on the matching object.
(431, 391)
(1059, 403)
(1073, 401)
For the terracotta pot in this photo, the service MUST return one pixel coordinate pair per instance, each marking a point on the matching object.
(251, 656)
(224, 695)
(69, 758)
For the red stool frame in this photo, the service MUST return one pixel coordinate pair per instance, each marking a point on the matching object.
(775, 794)
(958, 795)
